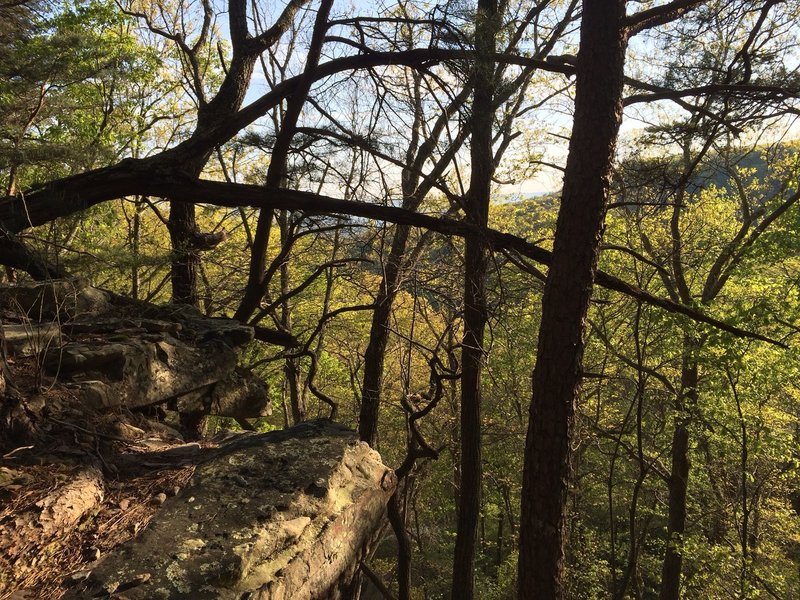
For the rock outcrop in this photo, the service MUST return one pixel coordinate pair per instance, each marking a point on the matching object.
(114, 352)
(104, 501)
(276, 516)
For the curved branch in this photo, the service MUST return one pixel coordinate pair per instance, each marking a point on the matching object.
(107, 184)
(659, 15)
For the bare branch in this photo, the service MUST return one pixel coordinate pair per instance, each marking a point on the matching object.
(268, 38)
(659, 15)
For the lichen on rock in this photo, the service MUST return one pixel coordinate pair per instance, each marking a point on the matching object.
(116, 352)
(280, 515)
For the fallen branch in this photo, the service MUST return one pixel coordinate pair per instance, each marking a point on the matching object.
(42, 526)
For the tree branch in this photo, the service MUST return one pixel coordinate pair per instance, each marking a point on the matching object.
(659, 15)
(99, 186)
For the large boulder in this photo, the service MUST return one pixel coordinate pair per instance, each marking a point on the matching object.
(275, 516)
(240, 395)
(137, 371)
(30, 339)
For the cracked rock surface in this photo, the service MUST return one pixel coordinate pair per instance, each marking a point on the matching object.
(286, 514)
(112, 351)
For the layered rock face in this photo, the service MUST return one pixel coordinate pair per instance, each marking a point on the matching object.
(105, 502)
(276, 516)
(114, 352)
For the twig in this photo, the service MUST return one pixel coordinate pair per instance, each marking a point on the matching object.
(15, 450)
(376, 581)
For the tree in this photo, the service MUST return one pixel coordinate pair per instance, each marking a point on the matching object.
(598, 113)
(476, 262)
(431, 90)
(605, 33)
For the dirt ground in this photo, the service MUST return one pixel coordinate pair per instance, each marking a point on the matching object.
(84, 483)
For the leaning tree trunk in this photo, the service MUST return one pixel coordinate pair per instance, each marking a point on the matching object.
(557, 375)
(414, 192)
(379, 336)
(277, 172)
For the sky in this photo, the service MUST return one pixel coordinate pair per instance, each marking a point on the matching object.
(546, 179)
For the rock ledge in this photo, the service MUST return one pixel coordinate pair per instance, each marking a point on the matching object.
(286, 514)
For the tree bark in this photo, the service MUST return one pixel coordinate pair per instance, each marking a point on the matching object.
(185, 259)
(396, 514)
(379, 337)
(146, 177)
(556, 377)
(291, 366)
(476, 263)
(679, 476)
(184, 235)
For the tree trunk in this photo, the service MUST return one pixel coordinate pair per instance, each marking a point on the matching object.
(182, 230)
(476, 262)
(499, 546)
(291, 367)
(5, 376)
(136, 239)
(396, 514)
(556, 377)
(471, 364)
(379, 337)
(277, 172)
(629, 574)
(679, 476)
(182, 225)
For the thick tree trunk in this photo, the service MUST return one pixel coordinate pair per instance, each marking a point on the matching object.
(556, 377)
(185, 259)
(184, 235)
(679, 476)
(158, 177)
(294, 385)
(475, 316)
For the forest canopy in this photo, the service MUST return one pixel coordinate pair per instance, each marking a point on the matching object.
(541, 254)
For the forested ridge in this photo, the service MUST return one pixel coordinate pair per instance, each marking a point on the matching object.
(587, 393)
